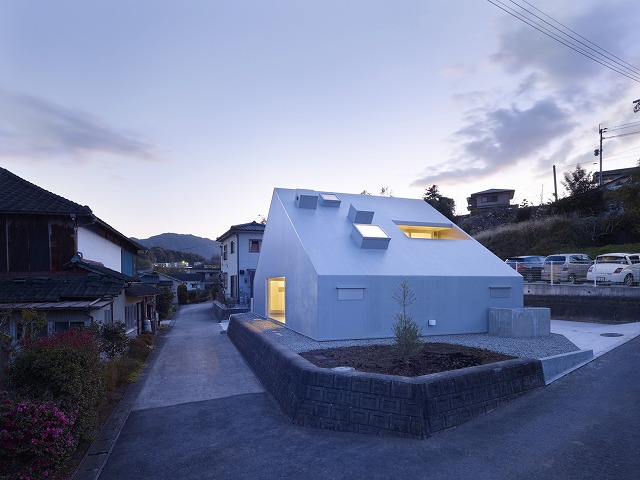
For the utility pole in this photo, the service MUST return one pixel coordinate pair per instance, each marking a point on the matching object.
(598, 152)
(555, 184)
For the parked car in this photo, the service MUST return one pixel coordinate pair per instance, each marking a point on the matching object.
(529, 266)
(566, 267)
(616, 268)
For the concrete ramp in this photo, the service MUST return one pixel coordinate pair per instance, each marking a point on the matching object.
(557, 366)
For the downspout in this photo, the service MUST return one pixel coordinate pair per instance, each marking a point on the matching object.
(237, 269)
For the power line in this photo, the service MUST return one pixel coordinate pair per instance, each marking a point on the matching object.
(602, 61)
(609, 54)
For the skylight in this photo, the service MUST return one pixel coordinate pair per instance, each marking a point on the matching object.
(431, 231)
(370, 236)
(329, 200)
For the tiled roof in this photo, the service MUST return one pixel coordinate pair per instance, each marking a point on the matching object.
(19, 196)
(97, 267)
(189, 277)
(142, 290)
(243, 227)
(55, 288)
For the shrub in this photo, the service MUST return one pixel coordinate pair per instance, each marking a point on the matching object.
(407, 332)
(139, 350)
(183, 295)
(64, 368)
(148, 338)
(35, 439)
(113, 338)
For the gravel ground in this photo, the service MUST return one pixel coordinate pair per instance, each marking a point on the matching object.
(554, 344)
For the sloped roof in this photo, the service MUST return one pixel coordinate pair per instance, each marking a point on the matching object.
(494, 190)
(325, 233)
(142, 290)
(55, 288)
(188, 277)
(243, 227)
(97, 267)
(20, 196)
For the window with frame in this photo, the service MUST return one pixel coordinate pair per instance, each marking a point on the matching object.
(489, 199)
(224, 251)
(233, 247)
(254, 245)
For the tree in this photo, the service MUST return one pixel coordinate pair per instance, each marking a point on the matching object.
(579, 181)
(444, 205)
(407, 332)
(183, 295)
(164, 303)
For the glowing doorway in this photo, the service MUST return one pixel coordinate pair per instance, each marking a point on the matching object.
(276, 301)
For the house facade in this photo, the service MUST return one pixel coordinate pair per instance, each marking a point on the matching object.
(493, 198)
(240, 249)
(57, 257)
(330, 263)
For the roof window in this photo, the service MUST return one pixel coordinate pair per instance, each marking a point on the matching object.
(431, 231)
(329, 200)
(370, 236)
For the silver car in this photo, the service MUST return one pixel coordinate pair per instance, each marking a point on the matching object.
(566, 267)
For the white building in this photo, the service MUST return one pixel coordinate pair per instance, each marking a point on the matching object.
(330, 263)
(240, 250)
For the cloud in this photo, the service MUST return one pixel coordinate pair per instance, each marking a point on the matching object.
(34, 128)
(548, 88)
(499, 138)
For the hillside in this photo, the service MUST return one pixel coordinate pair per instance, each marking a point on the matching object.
(182, 243)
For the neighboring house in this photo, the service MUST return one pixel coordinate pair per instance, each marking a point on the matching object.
(240, 250)
(195, 282)
(493, 198)
(163, 280)
(614, 179)
(56, 256)
(330, 263)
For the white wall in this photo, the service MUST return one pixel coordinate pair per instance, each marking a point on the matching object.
(98, 249)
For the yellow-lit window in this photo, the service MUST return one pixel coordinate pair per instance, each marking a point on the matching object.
(435, 232)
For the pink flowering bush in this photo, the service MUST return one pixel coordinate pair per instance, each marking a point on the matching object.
(64, 368)
(35, 438)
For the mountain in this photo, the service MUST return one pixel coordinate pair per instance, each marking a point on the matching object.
(182, 243)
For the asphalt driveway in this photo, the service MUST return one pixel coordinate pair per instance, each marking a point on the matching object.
(202, 415)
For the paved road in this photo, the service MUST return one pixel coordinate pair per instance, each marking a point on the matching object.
(585, 425)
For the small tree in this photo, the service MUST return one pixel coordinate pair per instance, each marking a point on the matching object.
(183, 295)
(444, 205)
(113, 338)
(164, 303)
(578, 182)
(407, 332)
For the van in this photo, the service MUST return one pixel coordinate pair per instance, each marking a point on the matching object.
(566, 267)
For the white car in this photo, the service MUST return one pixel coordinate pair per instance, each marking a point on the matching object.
(615, 268)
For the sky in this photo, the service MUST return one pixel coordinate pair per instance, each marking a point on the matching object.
(183, 116)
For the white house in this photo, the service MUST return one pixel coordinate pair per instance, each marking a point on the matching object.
(240, 250)
(330, 263)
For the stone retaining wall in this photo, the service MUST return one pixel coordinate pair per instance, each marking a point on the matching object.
(223, 312)
(586, 303)
(378, 404)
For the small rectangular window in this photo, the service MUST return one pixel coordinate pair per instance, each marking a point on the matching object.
(254, 245)
(233, 247)
(350, 293)
(224, 251)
